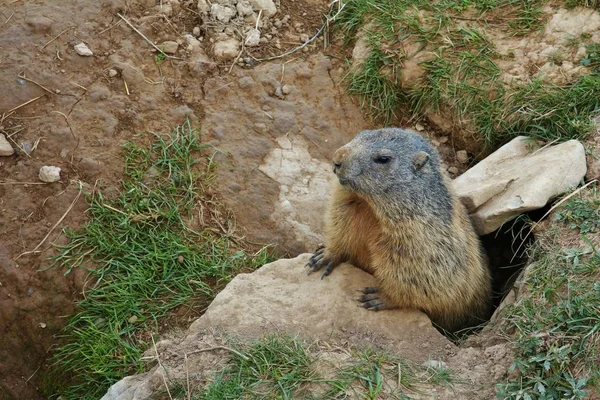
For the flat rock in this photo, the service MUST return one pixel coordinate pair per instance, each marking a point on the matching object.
(519, 177)
(222, 13)
(5, 147)
(227, 49)
(83, 50)
(280, 297)
(49, 174)
(268, 7)
(169, 47)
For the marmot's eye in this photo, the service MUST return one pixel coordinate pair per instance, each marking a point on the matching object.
(382, 159)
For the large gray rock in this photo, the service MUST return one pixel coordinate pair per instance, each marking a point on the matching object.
(520, 176)
(281, 298)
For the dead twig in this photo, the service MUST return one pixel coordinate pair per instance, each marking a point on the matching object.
(22, 76)
(219, 348)
(162, 369)
(110, 27)
(56, 224)
(54, 38)
(8, 19)
(145, 38)
(22, 105)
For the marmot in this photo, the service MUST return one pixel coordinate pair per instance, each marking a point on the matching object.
(393, 214)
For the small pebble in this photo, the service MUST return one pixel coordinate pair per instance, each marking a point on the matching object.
(43, 325)
(169, 47)
(180, 259)
(133, 319)
(5, 147)
(112, 72)
(453, 170)
(419, 127)
(29, 292)
(196, 31)
(435, 143)
(462, 156)
(278, 92)
(286, 89)
(443, 139)
(49, 174)
(83, 50)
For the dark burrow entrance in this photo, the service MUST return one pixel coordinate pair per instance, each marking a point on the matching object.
(507, 252)
(506, 249)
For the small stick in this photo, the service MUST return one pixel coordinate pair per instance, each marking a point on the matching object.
(126, 87)
(55, 225)
(145, 38)
(22, 76)
(68, 123)
(109, 28)
(8, 19)
(22, 105)
(53, 39)
(162, 368)
(77, 84)
(220, 348)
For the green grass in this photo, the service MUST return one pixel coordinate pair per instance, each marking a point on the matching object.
(273, 368)
(555, 326)
(460, 69)
(281, 367)
(149, 260)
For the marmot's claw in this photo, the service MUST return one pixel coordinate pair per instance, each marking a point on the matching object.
(327, 270)
(367, 290)
(371, 300)
(374, 305)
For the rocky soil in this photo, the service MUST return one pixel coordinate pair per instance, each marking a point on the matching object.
(80, 81)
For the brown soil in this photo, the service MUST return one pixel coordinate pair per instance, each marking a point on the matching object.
(79, 115)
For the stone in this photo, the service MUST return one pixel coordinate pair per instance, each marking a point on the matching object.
(244, 8)
(252, 38)
(169, 47)
(222, 13)
(268, 7)
(462, 156)
(203, 6)
(112, 72)
(196, 31)
(49, 174)
(280, 298)
(286, 89)
(519, 177)
(419, 127)
(453, 170)
(5, 147)
(227, 49)
(83, 50)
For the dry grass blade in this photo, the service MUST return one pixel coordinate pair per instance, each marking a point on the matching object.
(56, 224)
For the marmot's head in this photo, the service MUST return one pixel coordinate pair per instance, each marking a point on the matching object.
(392, 165)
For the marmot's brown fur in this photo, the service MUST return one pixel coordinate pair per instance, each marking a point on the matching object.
(393, 214)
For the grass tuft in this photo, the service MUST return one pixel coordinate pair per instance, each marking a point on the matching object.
(460, 69)
(274, 368)
(149, 261)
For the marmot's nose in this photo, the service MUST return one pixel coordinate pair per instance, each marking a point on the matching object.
(338, 157)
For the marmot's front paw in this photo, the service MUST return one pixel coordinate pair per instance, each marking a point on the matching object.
(319, 259)
(372, 299)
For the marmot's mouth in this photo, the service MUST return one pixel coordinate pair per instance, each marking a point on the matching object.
(344, 182)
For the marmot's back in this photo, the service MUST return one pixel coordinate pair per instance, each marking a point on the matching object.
(393, 214)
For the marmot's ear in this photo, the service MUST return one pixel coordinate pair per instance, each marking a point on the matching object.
(419, 160)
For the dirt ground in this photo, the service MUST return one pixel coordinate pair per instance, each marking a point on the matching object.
(74, 112)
